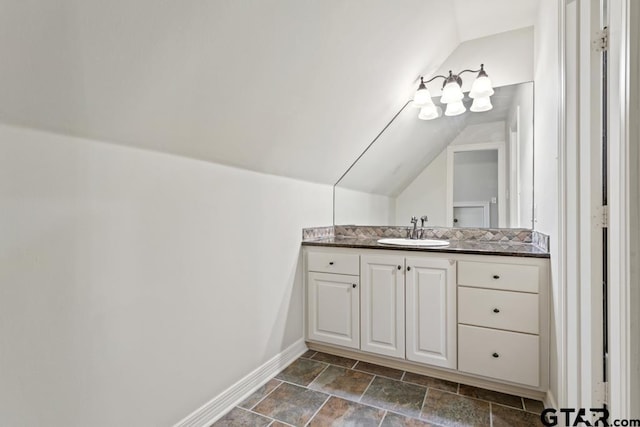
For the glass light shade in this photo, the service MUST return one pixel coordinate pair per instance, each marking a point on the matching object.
(452, 92)
(422, 98)
(481, 88)
(429, 112)
(455, 109)
(481, 104)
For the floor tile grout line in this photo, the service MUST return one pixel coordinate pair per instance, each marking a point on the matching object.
(484, 400)
(490, 414)
(316, 377)
(377, 375)
(383, 417)
(258, 413)
(319, 409)
(431, 386)
(510, 407)
(424, 401)
(265, 396)
(366, 389)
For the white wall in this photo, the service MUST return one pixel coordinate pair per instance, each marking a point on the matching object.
(547, 96)
(136, 286)
(358, 207)
(427, 194)
(507, 58)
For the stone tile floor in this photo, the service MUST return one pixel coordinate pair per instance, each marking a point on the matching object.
(320, 389)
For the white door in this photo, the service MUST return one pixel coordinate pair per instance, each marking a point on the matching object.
(431, 311)
(469, 216)
(334, 309)
(382, 305)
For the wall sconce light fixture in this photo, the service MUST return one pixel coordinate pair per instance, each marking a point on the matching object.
(452, 95)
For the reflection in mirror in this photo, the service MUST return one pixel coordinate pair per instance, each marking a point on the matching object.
(471, 170)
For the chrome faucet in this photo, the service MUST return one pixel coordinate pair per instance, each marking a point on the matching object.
(413, 233)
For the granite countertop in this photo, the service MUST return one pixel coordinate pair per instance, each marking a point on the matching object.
(455, 246)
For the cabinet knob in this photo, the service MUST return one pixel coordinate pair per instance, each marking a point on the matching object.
(399, 267)
(408, 268)
(496, 310)
(331, 263)
(354, 286)
(495, 276)
(496, 355)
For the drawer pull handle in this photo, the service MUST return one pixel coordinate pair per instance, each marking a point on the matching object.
(399, 267)
(408, 268)
(354, 286)
(331, 263)
(496, 310)
(495, 276)
(496, 355)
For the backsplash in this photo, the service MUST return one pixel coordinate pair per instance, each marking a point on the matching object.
(485, 234)
(318, 233)
(505, 235)
(540, 240)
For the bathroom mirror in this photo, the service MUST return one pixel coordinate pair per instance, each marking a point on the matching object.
(471, 170)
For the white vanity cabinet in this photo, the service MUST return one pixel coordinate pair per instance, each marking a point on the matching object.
(382, 305)
(502, 321)
(479, 319)
(408, 308)
(333, 298)
(431, 311)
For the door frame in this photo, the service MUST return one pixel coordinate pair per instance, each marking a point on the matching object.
(621, 200)
(502, 200)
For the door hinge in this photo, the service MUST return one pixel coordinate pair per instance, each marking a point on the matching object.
(601, 394)
(601, 217)
(601, 40)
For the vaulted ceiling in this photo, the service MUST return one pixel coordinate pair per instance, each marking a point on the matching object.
(290, 87)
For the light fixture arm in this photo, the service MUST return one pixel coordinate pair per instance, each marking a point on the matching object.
(454, 77)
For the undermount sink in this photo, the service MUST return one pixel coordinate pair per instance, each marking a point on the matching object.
(414, 242)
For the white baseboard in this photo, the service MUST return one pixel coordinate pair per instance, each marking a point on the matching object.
(219, 405)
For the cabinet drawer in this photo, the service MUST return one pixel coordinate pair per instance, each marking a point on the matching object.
(513, 311)
(334, 262)
(510, 277)
(503, 355)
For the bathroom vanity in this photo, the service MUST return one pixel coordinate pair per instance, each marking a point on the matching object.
(471, 312)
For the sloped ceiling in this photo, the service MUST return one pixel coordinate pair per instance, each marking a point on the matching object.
(482, 18)
(289, 87)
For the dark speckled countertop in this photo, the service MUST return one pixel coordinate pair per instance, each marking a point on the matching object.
(477, 247)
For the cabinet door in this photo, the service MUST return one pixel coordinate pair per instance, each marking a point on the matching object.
(431, 311)
(382, 305)
(334, 309)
